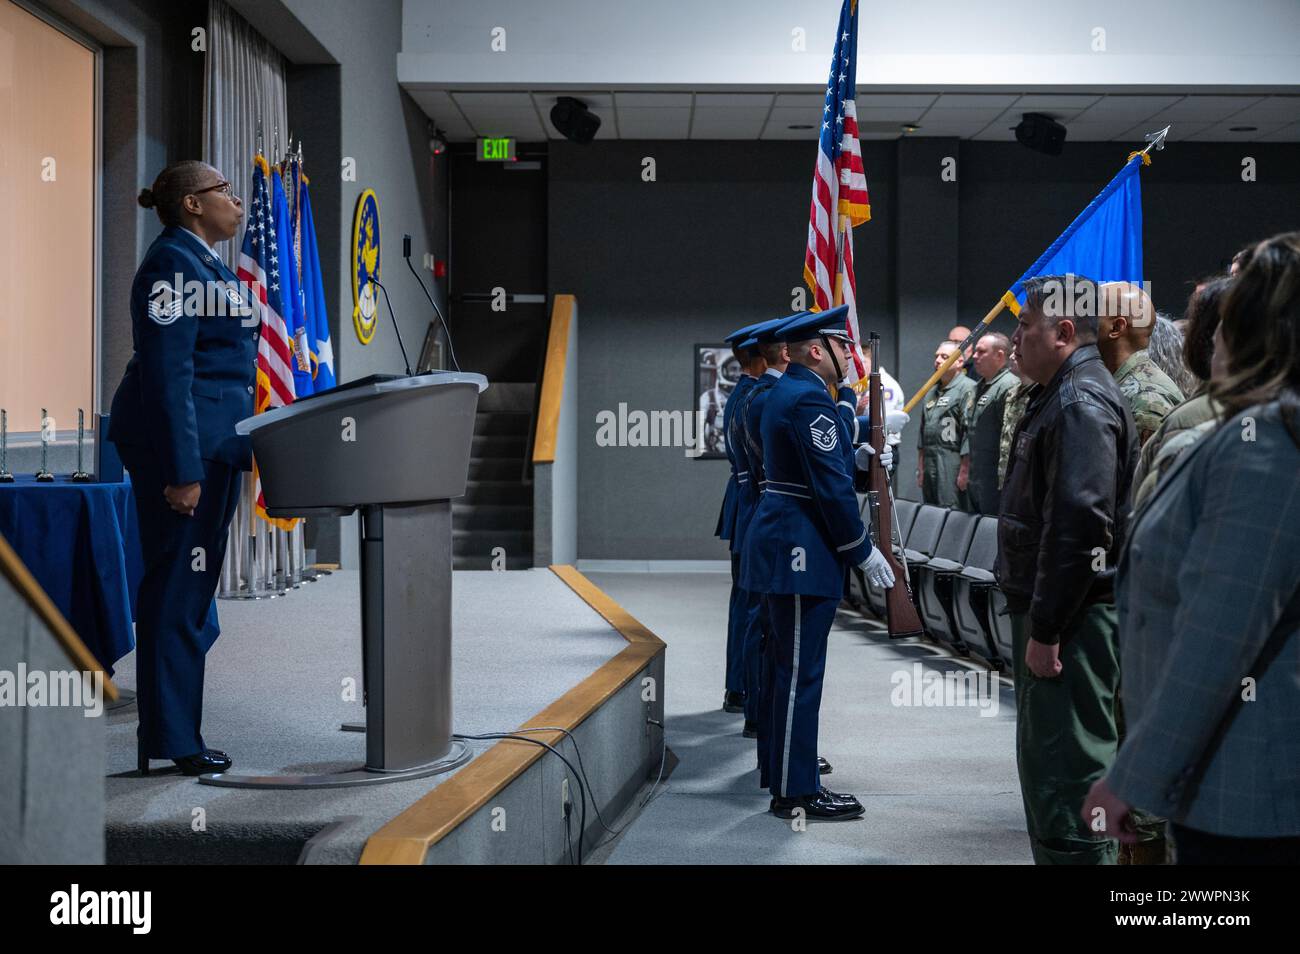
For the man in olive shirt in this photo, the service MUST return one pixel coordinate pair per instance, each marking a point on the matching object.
(942, 429)
(981, 442)
(1126, 319)
(1013, 409)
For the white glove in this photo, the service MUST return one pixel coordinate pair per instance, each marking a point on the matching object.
(895, 421)
(865, 452)
(877, 570)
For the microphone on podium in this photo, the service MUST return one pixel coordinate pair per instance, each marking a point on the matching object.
(406, 254)
(405, 360)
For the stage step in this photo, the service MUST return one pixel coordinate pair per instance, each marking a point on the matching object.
(497, 508)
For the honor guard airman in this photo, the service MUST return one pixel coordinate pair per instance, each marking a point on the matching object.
(803, 538)
(738, 611)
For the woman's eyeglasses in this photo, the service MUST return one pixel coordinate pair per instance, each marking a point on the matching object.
(221, 187)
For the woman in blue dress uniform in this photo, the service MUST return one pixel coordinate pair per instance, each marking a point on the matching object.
(191, 377)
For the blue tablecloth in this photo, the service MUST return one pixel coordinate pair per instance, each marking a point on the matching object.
(81, 543)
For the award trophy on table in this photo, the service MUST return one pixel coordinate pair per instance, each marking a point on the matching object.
(5, 476)
(44, 476)
(80, 477)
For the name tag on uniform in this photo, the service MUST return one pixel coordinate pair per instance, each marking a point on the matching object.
(1022, 445)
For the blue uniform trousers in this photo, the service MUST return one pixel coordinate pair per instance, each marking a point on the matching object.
(764, 717)
(737, 612)
(176, 615)
(800, 627)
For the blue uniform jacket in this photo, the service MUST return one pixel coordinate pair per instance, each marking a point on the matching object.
(193, 371)
(807, 530)
(745, 445)
(727, 516)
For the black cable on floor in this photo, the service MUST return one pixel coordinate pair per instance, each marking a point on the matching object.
(582, 791)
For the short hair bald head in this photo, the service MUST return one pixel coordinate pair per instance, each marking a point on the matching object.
(1128, 301)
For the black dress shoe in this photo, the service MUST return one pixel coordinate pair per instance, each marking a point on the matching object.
(824, 806)
(733, 702)
(751, 730)
(823, 767)
(200, 763)
(843, 799)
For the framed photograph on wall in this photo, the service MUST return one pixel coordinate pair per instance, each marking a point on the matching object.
(716, 374)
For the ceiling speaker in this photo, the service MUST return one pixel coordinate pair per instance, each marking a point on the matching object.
(574, 120)
(1041, 133)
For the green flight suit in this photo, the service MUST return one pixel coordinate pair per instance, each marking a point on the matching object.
(943, 428)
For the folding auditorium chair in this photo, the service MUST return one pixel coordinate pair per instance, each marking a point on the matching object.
(970, 598)
(1001, 623)
(905, 511)
(933, 584)
(922, 539)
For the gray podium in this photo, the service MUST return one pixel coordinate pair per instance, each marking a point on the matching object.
(395, 449)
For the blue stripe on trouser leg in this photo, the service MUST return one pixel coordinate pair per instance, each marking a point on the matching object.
(751, 653)
(176, 617)
(764, 715)
(800, 627)
(736, 610)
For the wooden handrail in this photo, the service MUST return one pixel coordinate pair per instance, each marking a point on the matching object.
(557, 350)
(17, 573)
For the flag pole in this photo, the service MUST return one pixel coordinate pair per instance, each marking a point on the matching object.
(1155, 140)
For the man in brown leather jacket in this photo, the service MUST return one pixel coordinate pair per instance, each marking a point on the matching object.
(1060, 529)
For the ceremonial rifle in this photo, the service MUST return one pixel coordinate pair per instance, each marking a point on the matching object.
(900, 611)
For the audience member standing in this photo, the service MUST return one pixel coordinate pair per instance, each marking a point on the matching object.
(942, 428)
(978, 474)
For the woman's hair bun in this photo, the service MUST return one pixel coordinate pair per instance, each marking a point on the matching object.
(146, 198)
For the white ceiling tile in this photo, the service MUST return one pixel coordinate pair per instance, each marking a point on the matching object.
(751, 100)
(1205, 108)
(786, 115)
(908, 100)
(890, 114)
(1274, 109)
(802, 100)
(1181, 130)
(717, 123)
(1289, 133)
(974, 115)
(1125, 106)
(1095, 132)
(1222, 132)
(997, 101)
(472, 99)
(949, 129)
(880, 135)
(1050, 102)
(656, 122)
(773, 131)
(547, 99)
(503, 121)
(647, 100)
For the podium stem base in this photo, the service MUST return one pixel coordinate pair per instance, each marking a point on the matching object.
(456, 756)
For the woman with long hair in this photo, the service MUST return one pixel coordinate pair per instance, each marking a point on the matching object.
(1208, 591)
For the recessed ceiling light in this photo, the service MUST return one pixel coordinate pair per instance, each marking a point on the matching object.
(910, 127)
(1243, 129)
(800, 126)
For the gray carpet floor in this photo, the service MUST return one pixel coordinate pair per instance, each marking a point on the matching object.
(939, 783)
(274, 701)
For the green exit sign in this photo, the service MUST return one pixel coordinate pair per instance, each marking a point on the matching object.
(496, 150)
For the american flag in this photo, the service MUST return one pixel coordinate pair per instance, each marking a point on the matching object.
(259, 260)
(839, 182)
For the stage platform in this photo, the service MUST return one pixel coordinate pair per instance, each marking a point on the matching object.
(538, 647)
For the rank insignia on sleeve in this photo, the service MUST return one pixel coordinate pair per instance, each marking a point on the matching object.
(825, 436)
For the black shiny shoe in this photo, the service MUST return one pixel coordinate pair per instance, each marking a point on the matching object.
(733, 702)
(843, 799)
(824, 806)
(200, 763)
(751, 730)
(824, 767)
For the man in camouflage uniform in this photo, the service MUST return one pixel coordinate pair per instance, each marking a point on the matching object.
(1013, 409)
(978, 475)
(942, 430)
(1127, 319)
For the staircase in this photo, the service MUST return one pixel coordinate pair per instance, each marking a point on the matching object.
(497, 509)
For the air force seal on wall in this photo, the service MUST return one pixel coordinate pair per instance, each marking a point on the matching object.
(365, 266)
(825, 435)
